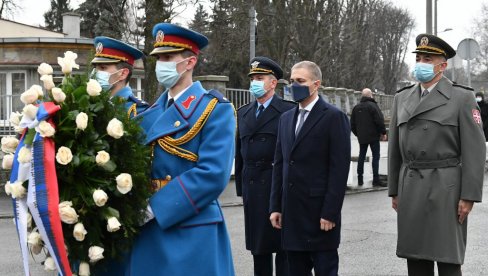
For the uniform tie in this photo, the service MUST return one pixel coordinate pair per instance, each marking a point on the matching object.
(301, 120)
(170, 102)
(260, 110)
(425, 93)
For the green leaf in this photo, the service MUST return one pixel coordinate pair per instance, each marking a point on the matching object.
(110, 166)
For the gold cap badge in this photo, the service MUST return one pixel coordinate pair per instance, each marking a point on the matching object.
(160, 37)
(255, 64)
(99, 48)
(424, 41)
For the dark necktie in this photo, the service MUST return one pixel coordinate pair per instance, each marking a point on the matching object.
(301, 120)
(425, 93)
(260, 110)
(170, 102)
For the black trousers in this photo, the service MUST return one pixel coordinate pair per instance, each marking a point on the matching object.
(263, 264)
(426, 268)
(323, 263)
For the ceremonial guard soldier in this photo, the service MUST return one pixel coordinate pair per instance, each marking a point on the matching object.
(113, 67)
(192, 133)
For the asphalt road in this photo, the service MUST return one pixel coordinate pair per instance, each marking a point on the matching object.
(367, 248)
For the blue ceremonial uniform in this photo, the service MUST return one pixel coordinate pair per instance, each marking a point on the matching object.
(193, 142)
(133, 105)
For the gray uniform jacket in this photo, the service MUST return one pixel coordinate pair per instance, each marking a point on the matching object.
(436, 157)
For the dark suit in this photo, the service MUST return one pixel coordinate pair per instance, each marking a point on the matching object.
(309, 182)
(255, 146)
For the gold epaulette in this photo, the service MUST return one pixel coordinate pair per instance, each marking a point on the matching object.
(171, 145)
(132, 109)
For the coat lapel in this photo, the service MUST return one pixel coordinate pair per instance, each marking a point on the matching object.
(249, 118)
(315, 114)
(440, 95)
(413, 100)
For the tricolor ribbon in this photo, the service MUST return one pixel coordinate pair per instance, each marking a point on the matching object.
(42, 193)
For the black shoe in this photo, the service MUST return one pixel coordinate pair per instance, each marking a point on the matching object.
(360, 180)
(378, 183)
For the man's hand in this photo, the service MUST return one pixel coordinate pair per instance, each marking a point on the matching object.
(326, 225)
(275, 219)
(394, 202)
(464, 207)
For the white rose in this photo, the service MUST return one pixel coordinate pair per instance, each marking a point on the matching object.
(84, 269)
(68, 62)
(79, 231)
(45, 129)
(64, 155)
(9, 144)
(29, 96)
(15, 118)
(124, 183)
(19, 129)
(93, 88)
(7, 161)
(38, 89)
(29, 220)
(81, 120)
(44, 69)
(8, 188)
(49, 264)
(95, 253)
(58, 95)
(24, 155)
(102, 157)
(100, 197)
(115, 128)
(36, 249)
(67, 213)
(48, 82)
(30, 111)
(34, 238)
(113, 224)
(17, 190)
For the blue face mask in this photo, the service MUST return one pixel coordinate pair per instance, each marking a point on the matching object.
(424, 72)
(103, 79)
(299, 92)
(167, 74)
(257, 89)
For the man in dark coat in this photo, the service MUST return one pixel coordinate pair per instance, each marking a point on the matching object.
(480, 99)
(256, 141)
(368, 125)
(311, 166)
(436, 157)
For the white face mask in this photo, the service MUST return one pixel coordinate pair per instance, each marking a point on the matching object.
(167, 74)
(478, 99)
(103, 77)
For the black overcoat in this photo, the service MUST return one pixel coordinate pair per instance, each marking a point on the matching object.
(255, 146)
(310, 176)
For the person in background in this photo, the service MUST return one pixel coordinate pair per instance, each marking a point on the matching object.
(436, 157)
(255, 146)
(368, 124)
(113, 66)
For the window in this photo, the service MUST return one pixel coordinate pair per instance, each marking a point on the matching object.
(12, 84)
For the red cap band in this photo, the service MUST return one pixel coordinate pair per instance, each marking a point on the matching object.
(116, 54)
(178, 42)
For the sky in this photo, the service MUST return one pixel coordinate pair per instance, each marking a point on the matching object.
(457, 15)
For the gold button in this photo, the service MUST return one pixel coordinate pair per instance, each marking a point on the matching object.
(177, 124)
(168, 177)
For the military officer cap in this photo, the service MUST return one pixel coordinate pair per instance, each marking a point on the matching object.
(109, 50)
(170, 38)
(264, 65)
(431, 44)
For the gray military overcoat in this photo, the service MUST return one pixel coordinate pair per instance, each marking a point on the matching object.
(436, 157)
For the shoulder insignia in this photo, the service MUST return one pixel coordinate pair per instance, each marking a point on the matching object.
(404, 88)
(216, 94)
(463, 86)
(137, 101)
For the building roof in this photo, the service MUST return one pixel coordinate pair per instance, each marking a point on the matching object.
(15, 29)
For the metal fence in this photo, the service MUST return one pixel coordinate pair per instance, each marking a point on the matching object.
(238, 97)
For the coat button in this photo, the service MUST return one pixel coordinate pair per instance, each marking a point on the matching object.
(422, 152)
(251, 140)
(292, 162)
(290, 184)
(168, 177)
(425, 127)
(177, 124)
(251, 182)
(263, 139)
(410, 174)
